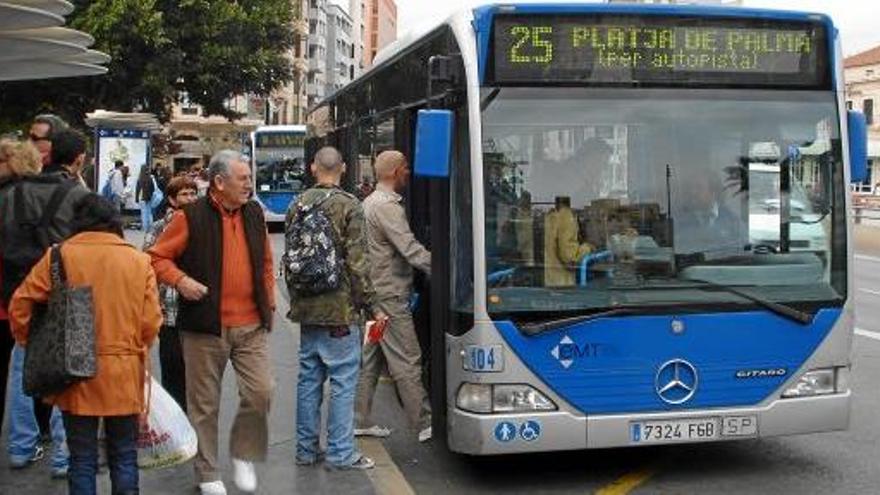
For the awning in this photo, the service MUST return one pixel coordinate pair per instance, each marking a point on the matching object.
(123, 120)
(34, 45)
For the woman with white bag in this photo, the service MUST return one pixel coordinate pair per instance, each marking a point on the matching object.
(127, 319)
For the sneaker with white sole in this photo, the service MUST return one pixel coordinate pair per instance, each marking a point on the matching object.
(373, 431)
(19, 462)
(245, 475)
(425, 435)
(362, 463)
(212, 488)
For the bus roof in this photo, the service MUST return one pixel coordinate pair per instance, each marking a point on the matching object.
(280, 128)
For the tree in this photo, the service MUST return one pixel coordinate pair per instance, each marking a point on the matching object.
(209, 49)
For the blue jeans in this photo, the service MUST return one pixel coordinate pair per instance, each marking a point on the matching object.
(82, 435)
(323, 356)
(146, 216)
(24, 433)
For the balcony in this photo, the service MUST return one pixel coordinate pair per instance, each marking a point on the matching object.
(316, 89)
(317, 14)
(317, 65)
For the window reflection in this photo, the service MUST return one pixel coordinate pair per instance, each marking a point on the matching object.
(602, 190)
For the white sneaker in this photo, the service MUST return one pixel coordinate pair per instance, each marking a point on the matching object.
(212, 488)
(425, 435)
(245, 476)
(373, 431)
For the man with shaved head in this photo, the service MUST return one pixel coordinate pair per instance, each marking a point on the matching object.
(393, 253)
(324, 235)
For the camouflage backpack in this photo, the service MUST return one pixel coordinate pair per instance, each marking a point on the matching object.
(312, 263)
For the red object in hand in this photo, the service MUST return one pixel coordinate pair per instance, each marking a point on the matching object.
(375, 331)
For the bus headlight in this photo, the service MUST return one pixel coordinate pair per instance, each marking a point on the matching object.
(519, 398)
(501, 398)
(814, 382)
(474, 397)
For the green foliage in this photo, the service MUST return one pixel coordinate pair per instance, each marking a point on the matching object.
(209, 49)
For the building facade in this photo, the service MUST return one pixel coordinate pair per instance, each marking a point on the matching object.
(356, 9)
(296, 100)
(340, 48)
(862, 75)
(196, 137)
(288, 104)
(316, 79)
(380, 22)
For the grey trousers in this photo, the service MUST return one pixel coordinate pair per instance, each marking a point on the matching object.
(206, 357)
(399, 349)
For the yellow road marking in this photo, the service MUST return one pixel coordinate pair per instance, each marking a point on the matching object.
(386, 477)
(627, 482)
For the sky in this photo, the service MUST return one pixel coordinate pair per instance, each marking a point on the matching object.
(856, 19)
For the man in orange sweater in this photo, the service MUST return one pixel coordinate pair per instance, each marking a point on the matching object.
(216, 253)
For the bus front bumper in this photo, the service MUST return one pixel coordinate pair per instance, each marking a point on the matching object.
(478, 434)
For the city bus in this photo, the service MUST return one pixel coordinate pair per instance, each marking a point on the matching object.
(277, 163)
(589, 179)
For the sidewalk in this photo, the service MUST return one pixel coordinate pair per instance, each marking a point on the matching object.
(279, 475)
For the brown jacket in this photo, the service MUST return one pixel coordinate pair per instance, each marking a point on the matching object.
(392, 247)
(127, 320)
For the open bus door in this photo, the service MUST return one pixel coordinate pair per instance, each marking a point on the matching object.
(433, 207)
(428, 206)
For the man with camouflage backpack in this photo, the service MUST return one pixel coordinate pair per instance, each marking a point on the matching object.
(325, 268)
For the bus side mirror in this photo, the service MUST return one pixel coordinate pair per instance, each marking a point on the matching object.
(858, 146)
(433, 143)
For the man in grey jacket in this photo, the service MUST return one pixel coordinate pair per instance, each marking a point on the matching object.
(393, 252)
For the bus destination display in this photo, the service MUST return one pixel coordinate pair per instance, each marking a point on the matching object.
(658, 50)
(280, 140)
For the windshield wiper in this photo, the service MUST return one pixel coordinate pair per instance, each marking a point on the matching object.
(546, 326)
(789, 312)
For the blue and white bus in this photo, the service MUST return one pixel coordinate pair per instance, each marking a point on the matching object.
(278, 167)
(616, 198)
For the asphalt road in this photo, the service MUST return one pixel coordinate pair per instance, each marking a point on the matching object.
(843, 462)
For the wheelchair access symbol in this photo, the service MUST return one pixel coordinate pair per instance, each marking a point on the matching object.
(530, 431)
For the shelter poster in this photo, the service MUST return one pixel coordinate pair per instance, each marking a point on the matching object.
(132, 148)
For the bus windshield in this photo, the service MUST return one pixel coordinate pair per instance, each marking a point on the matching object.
(279, 164)
(599, 199)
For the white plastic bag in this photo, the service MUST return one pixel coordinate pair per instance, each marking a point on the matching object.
(166, 438)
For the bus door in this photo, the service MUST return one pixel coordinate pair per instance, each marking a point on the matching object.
(429, 210)
(418, 198)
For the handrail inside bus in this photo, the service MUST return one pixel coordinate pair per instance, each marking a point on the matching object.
(590, 259)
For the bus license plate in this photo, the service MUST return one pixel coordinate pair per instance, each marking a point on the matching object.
(674, 431)
(484, 358)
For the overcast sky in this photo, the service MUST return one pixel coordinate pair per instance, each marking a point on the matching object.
(856, 19)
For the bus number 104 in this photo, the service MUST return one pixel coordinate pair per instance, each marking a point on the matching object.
(534, 40)
(484, 358)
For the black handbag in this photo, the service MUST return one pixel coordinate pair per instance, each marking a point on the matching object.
(61, 346)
